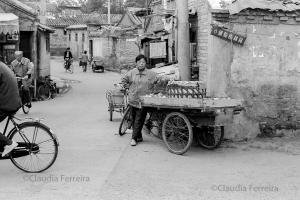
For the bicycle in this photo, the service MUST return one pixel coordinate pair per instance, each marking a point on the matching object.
(47, 89)
(26, 101)
(37, 145)
(68, 65)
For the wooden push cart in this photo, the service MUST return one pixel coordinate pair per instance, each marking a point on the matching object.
(180, 120)
(117, 100)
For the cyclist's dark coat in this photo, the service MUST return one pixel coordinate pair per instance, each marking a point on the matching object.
(9, 92)
(68, 54)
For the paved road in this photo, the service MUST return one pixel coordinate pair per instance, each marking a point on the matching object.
(95, 163)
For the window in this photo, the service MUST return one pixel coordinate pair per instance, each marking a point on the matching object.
(48, 43)
(76, 37)
(83, 37)
(69, 36)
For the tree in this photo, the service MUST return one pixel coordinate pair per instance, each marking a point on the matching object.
(89, 6)
(94, 5)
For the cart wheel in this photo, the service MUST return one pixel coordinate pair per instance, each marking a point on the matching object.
(126, 122)
(177, 133)
(111, 109)
(209, 137)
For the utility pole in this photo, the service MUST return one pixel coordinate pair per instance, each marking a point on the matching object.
(108, 12)
(42, 14)
(183, 42)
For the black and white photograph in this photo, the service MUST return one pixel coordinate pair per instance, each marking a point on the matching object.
(150, 99)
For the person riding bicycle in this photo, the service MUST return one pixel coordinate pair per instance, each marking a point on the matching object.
(23, 68)
(68, 58)
(10, 102)
(139, 81)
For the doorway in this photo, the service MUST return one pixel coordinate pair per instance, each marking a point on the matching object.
(26, 43)
(91, 48)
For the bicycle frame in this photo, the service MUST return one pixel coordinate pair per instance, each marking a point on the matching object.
(21, 152)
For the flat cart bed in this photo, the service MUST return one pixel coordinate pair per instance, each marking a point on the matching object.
(181, 119)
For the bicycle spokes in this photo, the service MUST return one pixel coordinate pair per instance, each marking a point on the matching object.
(37, 148)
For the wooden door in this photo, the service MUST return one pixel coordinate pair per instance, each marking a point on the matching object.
(91, 48)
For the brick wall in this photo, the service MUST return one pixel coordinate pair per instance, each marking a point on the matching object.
(119, 52)
(127, 51)
(58, 42)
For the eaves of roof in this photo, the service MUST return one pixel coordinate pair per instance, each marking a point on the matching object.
(21, 7)
(100, 19)
(135, 19)
(45, 28)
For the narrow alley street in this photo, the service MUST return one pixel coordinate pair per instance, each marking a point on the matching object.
(95, 163)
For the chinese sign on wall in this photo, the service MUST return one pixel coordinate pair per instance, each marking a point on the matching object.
(228, 35)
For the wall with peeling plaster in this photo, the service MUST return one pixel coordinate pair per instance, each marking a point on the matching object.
(265, 72)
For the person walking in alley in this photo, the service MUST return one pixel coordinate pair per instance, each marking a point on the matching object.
(10, 102)
(22, 67)
(84, 60)
(68, 57)
(139, 81)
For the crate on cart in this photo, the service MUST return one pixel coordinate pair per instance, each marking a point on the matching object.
(186, 89)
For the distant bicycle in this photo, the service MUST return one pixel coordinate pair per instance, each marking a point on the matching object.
(47, 89)
(26, 100)
(37, 145)
(68, 65)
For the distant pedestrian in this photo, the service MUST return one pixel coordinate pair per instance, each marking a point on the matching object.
(84, 60)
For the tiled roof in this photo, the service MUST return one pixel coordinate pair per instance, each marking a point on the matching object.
(69, 3)
(271, 5)
(77, 26)
(83, 19)
(135, 19)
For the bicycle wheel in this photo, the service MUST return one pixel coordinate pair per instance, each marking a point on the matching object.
(38, 143)
(177, 133)
(44, 92)
(126, 122)
(210, 137)
(26, 105)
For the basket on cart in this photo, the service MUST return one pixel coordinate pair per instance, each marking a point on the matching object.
(117, 101)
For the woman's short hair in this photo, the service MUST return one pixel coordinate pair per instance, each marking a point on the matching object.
(139, 57)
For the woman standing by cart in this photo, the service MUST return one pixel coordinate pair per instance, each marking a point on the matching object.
(139, 81)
